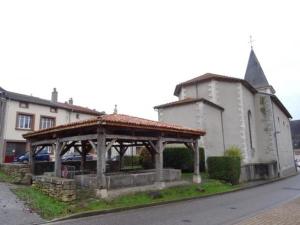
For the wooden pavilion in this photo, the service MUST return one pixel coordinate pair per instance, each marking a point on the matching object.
(118, 131)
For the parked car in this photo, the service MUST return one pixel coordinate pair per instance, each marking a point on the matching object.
(75, 156)
(41, 156)
(297, 163)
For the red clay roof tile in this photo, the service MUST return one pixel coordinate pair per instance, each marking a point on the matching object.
(119, 120)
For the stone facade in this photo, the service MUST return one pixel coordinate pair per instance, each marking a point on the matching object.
(253, 118)
(19, 172)
(59, 188)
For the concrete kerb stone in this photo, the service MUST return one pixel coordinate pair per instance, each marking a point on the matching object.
(102, 212)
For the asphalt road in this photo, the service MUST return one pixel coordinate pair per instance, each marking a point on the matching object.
(13, 211)
(225, 209)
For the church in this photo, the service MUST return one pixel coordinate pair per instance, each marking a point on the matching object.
(237, 112)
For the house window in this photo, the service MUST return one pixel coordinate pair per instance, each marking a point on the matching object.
(53, 109)
(77, 116)
(47, 122)
(250, 130)
(24, 121)
(23, 105)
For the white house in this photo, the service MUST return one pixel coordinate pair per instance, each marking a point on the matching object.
(241, 112)
(20, 114)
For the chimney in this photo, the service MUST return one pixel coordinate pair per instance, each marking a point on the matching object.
(116, 109)
(54, 95)
(71, 101)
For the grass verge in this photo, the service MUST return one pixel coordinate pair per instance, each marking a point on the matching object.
(49, 208)
(44, 205)
(175, 193)
(5, 178)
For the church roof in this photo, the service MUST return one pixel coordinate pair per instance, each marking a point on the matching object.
(254, 72)
(211, 76)
(276, 100)
(188, 101)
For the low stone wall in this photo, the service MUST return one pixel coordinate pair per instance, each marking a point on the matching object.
(288, 171)
(20, 173)
(59, 188)
(122, 180)
(258, 171)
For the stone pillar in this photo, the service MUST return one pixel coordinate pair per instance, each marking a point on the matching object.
(196, 176)
(29, 149)
(101, 167)
(159, 164)
(57, 165)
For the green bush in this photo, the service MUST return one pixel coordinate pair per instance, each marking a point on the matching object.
(234, 151)
(224, 168)
(182, 158)
(129, 160)
(177, 158)
(146, 159)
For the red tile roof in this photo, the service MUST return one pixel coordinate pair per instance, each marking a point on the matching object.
(211, 76)
(45, 102)
(78, 109)
(119, 120)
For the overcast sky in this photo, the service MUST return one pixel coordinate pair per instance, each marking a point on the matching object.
(133, 53)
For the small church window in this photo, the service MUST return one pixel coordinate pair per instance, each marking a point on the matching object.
(250, 130)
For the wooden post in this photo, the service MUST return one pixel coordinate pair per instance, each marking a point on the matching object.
(101, 164)
(196, 176)
(159, 164)
(83, 155)
(29, 149)
(57, 165)
(122, 152)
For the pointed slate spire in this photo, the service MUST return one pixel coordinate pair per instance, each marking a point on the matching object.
(254, 73)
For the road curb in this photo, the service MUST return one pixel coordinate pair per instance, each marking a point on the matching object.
(102, 212)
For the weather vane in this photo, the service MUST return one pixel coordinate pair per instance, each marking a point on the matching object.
(251, 41)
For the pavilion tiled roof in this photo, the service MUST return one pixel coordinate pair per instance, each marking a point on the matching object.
(119, 120)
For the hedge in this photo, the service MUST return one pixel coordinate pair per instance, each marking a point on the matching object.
(224, 168)
(177, 158)
(129, 160)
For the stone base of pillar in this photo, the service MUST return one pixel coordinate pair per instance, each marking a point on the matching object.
(101, 193)
(196, 179)
(160, 185)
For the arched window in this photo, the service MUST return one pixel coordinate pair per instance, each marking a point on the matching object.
(250, 129)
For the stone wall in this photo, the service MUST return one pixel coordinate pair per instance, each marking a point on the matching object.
(122, 180)
(58, 188)
(258, 171)
(20, 173)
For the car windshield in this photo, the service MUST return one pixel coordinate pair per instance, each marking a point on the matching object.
(44, 151)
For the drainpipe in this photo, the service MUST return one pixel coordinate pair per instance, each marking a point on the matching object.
(276, 142)
(2, 129)
(223, 131)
